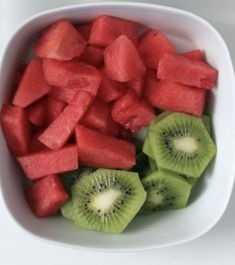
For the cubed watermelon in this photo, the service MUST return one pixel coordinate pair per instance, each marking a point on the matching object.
(195, 54)
(180, 69)
(37, 112)
(122, 60)
(98, 117)
(105, 29)
(72, 74)
(32, 86)
(59, 131)
(46, 162)
(63, 94)
(61, 41)
(100, 150)
(16, 128)
(137, 85)
(35, 145)
(176, 97)
(153, 44)
(46, 196)
(109, 89)
(93, 55)
(85, 30)
(131, 112)
(53, 109)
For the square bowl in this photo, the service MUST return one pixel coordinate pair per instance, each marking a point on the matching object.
(210, 197)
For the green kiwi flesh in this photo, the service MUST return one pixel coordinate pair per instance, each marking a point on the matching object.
(106, 200)
(152, 164)
(165, 190)
(181, 143)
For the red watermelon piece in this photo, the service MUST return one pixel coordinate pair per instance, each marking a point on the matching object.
(195, 54)
(93, 55)
(153, 44)
(131, 112)
(122, 60)
(37, 112)
(177, 97)
(46, 162)
(32, 86)
(105, 29)
(46, 196)
(59, 131)
(35, 144)
(85, 30)
(98, 117)
(137, 85)
(53, 109)
(109, 89)
(60, 41)
(16, 128)
(73, 74)
(63, 94)
(180, 69)
(100, 150)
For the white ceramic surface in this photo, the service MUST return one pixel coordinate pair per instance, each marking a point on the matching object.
(212, 195)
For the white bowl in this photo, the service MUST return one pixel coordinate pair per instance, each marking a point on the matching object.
(211, 196)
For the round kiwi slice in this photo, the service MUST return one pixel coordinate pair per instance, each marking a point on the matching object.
(181, 143)
(165, 190)
(106, 200)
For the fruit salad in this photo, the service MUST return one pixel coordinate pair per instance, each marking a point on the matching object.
(75, 118)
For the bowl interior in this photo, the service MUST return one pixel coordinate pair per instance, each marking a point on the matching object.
(210, 196)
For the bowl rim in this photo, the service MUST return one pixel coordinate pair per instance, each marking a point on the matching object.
(166, 8)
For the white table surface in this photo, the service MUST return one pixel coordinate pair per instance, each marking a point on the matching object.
(215, 248)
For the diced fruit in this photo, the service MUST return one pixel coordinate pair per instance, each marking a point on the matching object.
(93, 55)
(100, 150)
(72, 74)
(85, 30)
(131, 112)
(53, 109)
(180, 69)
(176, 97)
(153, 44)
(37, 112)
(16, 128)
(98, 117)
(195, 54)
(122, 60)
(125, 134)
(60, 41)
(32, 86)
(136, 85)
(59, 131)
(46, 196)
(109, 89)
(105, 29)
(63, 94)
(35, 144)
(46, 162)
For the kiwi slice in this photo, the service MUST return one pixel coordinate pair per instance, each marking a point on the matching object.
(207, 123)
(106, 200)
(152, 164)
(165, 190)
(181, 144)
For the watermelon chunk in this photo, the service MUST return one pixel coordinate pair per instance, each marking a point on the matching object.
(59, 131)
(37, 112)
(16, 128)
(53, 109)
(109, 89)
(98, 117)
(153, 44)
(177, 97)
(137, 85)
(61, 41)
(180, 69)
(100, 150)
(122, 60)
(32, 86)
(46, 196)
(93, 55)
(85, 30)
(46, 162)
(131, 112)
(72, 74)
(35, 144)
(195, 54)
(105, 29)
(63, 94)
